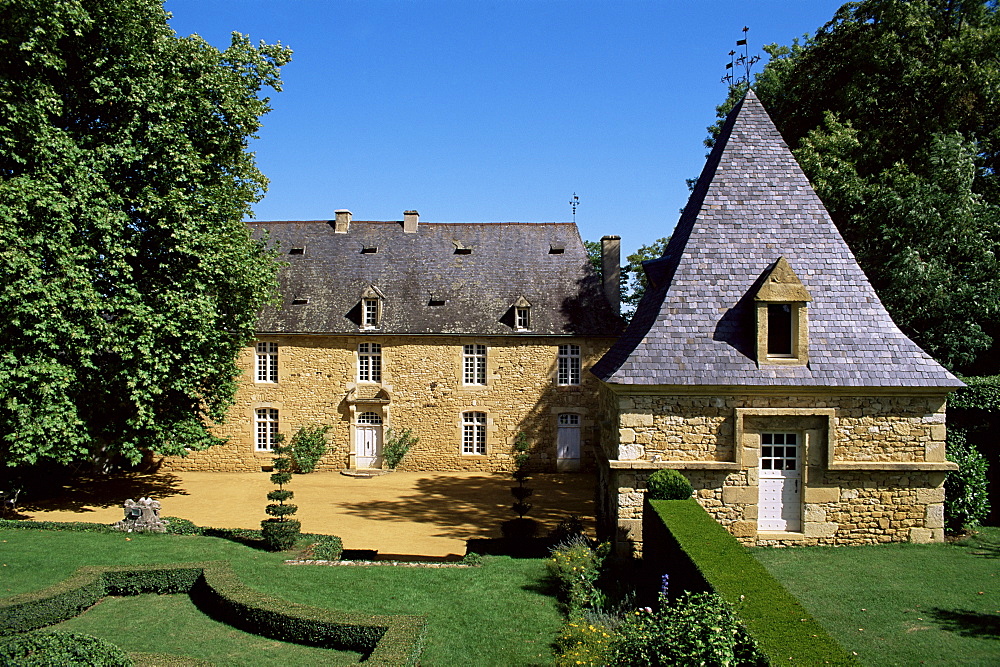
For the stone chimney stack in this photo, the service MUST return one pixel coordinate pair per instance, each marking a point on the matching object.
(611, 257)
(343, 222)
(410, 221)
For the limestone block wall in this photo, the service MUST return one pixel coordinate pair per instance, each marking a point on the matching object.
(421, 389)
(873, 467)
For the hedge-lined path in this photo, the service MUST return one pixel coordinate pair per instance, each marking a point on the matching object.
(403, 513)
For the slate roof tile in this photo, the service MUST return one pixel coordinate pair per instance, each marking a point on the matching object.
(508, 260)
(751, 205)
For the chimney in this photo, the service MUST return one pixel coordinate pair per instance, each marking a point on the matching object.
(410, 221)
(343, 222)
(611, 255)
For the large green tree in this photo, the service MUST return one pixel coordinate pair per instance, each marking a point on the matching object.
(128, 282)
(890, 108)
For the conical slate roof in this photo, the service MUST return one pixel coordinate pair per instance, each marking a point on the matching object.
(751, 206)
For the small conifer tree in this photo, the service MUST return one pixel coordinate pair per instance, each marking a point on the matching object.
(280, 531)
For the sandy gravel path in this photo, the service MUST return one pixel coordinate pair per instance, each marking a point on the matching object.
(408, 513)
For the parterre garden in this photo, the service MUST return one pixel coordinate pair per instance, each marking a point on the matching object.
(890, 604)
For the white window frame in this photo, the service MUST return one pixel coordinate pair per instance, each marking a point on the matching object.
(473, 433)
(266, 363)
(370, 362)
(370, 313)
(265, 428)
(474, 364)
(522, 318)
(568, 367)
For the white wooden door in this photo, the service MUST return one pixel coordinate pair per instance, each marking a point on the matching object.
(568, 443)
(780, 504)
(368, 440)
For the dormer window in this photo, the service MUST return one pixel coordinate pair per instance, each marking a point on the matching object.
(780, 330)
(522, 318)
(371, 308)
(519, 315)
(297, 251)
(369, 249)
(370, 313)
(782, 322)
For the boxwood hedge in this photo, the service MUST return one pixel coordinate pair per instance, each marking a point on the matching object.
(215, 589)
(676, 531)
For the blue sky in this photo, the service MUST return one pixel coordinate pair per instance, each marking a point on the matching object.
(495, 111)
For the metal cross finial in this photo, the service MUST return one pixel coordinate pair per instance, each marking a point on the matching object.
(574, 202)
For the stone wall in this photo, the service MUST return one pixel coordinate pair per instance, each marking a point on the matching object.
(873, 466)
(421, 389)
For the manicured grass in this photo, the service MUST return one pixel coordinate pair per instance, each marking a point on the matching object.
(902, 604)
(172, 624)
(497, 614)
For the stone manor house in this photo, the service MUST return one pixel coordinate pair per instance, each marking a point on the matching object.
(760, 362)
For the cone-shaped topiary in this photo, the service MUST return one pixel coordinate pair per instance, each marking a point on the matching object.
(280, 532)
(668, 484)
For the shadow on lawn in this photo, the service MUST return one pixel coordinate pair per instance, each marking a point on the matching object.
(980, 545)
(968, 623)
(82, 493)
(472, 506)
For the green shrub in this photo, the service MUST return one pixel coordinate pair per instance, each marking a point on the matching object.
(280, 532)
(328, 547)
(396, 445)
(575, 566)
(307, 447)
(668, 484)
(55, 649)
(966, 491)
(178, 526)
(698, 629)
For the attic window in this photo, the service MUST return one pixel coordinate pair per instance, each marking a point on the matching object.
(435, 301)
(297, 251)
(369, 250)
(299, 302)
(522, 318)
(782, 317)
(463, 251)
(556, 250)
(370, 308)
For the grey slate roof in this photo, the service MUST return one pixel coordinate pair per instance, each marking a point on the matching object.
(751, 205)
(428, 287)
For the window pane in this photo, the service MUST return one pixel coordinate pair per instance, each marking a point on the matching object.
(779, 329)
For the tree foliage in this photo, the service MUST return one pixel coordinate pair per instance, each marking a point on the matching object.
(632, 280)
(890, 110)
(128, 282)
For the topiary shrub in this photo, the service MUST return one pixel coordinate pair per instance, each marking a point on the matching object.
(328, 547)
(396, 446)
(307, 447)
(966, 491)
(55, 649)
(280, 532)
(521, 527)
(668, 484)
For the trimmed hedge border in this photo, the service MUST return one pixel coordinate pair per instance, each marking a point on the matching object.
(218, 592)
(785, 632)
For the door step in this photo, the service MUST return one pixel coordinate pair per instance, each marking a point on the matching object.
(364, 473)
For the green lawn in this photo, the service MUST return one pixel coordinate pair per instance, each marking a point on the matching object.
(902, 604)
(497, 614)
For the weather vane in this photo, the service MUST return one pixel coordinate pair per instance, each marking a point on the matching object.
(573, 203)
(737, 62)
